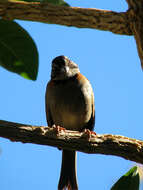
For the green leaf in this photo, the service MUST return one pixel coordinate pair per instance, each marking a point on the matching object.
(129, 181)
(18, 52)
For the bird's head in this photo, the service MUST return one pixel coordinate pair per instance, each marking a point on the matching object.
(63, 68)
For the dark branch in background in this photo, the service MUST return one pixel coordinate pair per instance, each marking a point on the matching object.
(126, 23)
(128, 148)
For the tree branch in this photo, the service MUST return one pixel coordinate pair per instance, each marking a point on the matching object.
(136, 15)
(68, 16)
(128, 148)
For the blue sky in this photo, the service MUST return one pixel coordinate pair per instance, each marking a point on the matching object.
(112, 65)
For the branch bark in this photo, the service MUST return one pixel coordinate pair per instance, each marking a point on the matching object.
(136, 15)
(128, 148)
(68, 16)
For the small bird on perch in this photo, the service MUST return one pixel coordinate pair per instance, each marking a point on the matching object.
(69, 104)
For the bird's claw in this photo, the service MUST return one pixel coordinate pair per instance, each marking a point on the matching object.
(87, 134)
(57, 129)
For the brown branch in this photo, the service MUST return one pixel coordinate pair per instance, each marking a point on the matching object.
(68, 16)
(128, 148)
(136, 15)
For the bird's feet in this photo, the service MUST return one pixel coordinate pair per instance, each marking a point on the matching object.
(57, 129)
(88, 134)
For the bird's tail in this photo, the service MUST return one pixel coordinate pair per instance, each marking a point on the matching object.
(68, 178)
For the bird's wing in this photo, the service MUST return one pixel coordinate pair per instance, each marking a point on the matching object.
(47, 105)
(91, 122)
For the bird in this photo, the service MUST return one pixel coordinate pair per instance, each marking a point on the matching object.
(69, 103)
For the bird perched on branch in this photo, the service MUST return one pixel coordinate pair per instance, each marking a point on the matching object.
(69, 104)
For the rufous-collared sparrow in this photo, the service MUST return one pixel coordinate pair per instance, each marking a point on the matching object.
(69, 104)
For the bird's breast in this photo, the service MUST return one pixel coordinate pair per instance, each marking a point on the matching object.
(71, 105)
